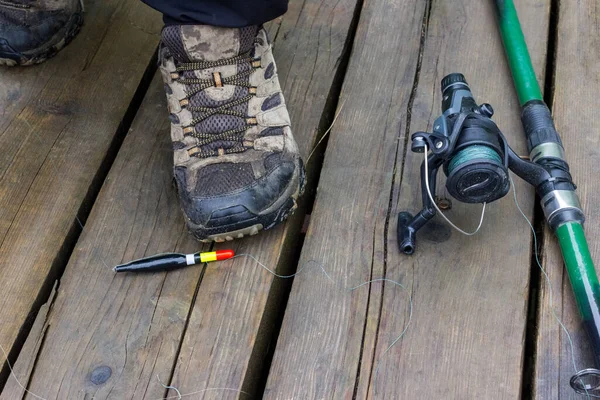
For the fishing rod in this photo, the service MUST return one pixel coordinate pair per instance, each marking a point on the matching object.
(475, 157)
(561, 205)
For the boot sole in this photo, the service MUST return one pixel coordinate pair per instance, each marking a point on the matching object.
(288, 204)
(10, 57)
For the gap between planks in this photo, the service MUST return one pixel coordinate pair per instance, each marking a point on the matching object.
(331, 100)
(63, 252)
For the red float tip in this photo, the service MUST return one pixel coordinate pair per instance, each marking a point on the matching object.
(224, 254)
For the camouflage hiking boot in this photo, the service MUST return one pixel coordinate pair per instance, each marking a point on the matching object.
(32, 31)
(237, 166)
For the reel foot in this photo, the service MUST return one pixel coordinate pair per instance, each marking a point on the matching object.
(406, 234)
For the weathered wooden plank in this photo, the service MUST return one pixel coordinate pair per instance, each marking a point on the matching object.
(112, 336)
(231, 324)
(57, 122)
(131, 325)
(21, 371)
(575, 101)
(470, 294)
(320, 348)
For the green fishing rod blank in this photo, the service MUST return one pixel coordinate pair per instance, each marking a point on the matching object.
(559, 200)
(516, 51)
(582, 275)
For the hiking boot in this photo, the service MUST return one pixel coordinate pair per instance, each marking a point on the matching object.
(237, 166)
(32, 31)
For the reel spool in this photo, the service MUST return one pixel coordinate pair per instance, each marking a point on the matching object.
(476, 174)
(475, 169)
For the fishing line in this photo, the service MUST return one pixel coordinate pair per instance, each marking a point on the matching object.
(351, 289)
(550, 287)
(326, 132)
(345, 289)
(202, 391)
(308, 264)
(12, 373)
(305, 266)
(348, 289)
(179, 396)
(410, 315)
(437, 208)
(473, 152)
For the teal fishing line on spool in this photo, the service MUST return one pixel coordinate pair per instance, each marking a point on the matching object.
(474, 152)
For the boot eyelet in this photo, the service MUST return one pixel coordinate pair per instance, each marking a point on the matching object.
(218, 79)
(194, 151)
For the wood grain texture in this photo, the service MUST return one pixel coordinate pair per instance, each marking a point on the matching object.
(320, 348)
(470, 294)
(57, 121)
(21, 371)
(231, 325)
(134, 324)
(575, 104)
(130, 324)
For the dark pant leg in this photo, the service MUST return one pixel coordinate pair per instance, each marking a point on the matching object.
(227, 13)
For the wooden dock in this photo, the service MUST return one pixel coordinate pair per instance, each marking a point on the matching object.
(86, 183)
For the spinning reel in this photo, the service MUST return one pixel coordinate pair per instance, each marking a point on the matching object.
(475, 158)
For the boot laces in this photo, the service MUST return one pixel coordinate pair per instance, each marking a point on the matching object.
(239, 79)
(14, 4)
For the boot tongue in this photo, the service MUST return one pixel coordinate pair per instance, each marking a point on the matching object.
(189, 43)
